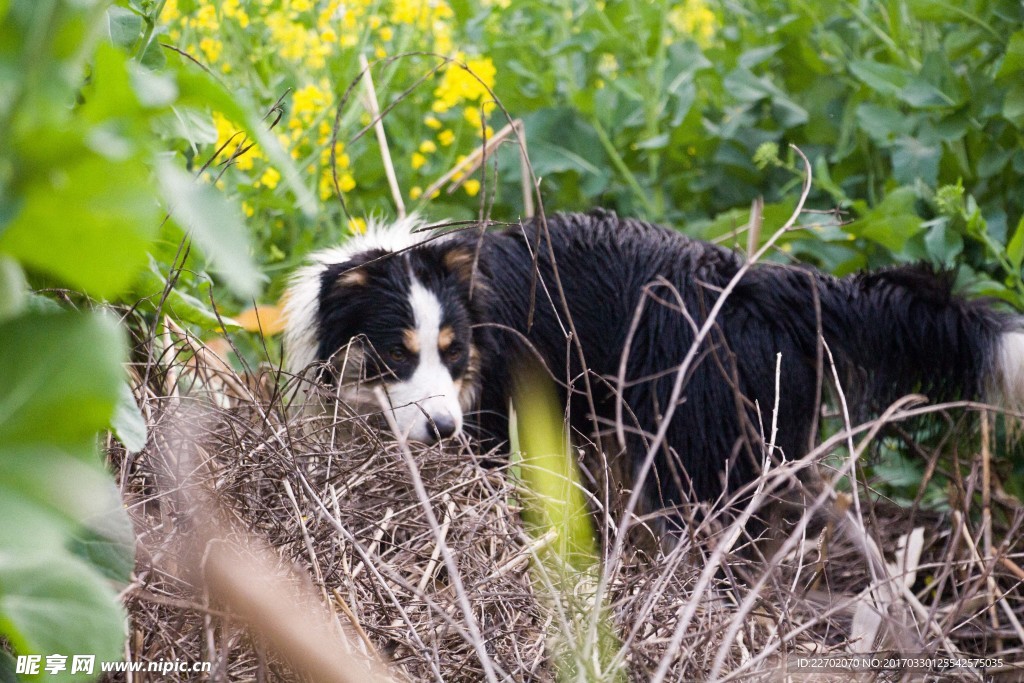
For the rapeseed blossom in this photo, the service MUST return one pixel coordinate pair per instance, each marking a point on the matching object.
(695, 19)
(308, 47)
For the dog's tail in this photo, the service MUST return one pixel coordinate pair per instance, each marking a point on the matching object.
(902, 330)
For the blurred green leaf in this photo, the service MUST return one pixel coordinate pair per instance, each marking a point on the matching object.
(59, 384)
(913, 159)
(562, 141)
(13, 288)
(127, 422)
(107, 543)
(108, 202)
(1013, 60)
(60, 605)
(123, 27)
(1013, 105)
(8, 666)
(215, 224)
(60, 377)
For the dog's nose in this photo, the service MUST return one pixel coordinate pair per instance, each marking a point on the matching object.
(444, 426)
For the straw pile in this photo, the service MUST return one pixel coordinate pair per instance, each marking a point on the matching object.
(332, 508)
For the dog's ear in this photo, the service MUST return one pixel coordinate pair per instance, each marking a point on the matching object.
(355, 272)
(461, 261)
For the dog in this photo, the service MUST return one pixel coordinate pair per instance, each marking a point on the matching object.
(610, 307)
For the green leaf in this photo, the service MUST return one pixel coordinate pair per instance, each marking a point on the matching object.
(944, 244)
(153, 89)
(882, 78)
(59, 377)
(52, 492)
(1015, 249)
(561, 140)
(892, 222)
(8, 666)
(75, 215)
(1013, 60)
(214, 223)
(913, 160)
(1013, 105)
(152, 285)
(59, 605)
(107, 543)
(13, 288)
(127, 423)
(940, 11)
(123, 26)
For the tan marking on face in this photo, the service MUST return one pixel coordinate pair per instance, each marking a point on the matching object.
(352, 278)
(445, 338)
(411, 339)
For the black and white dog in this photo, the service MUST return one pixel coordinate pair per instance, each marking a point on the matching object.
(440, 323)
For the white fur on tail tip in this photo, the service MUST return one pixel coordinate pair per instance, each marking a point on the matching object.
(1009, 379)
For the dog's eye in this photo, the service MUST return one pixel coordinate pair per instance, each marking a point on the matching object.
(398, 354)
(453, 352)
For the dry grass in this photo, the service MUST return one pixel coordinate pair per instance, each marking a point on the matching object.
(329, 506)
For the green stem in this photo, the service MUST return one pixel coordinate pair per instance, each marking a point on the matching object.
(620, 166)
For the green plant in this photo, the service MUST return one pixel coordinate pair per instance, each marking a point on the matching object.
(83, 188)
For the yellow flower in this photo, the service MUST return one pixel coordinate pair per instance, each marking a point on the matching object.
(170, 12)
(418, 160)
(415, 193)
(475, 115)
(327, 14)
(465, 83)
(472, 187)
(244, 161)
(289, 38)
(211, 48)
(386, 34)
(270, 178)
(608, 65)
(428, 147)
(247, 209)
(432, 122)
(225, 129)
(326, 186)
(357, 226)
(446, 137)
(410, 12)
(694, 18)
(347, 183)
(231, 9)
(206, 18)
(309, 101)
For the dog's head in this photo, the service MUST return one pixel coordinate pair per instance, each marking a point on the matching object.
(392, 316)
